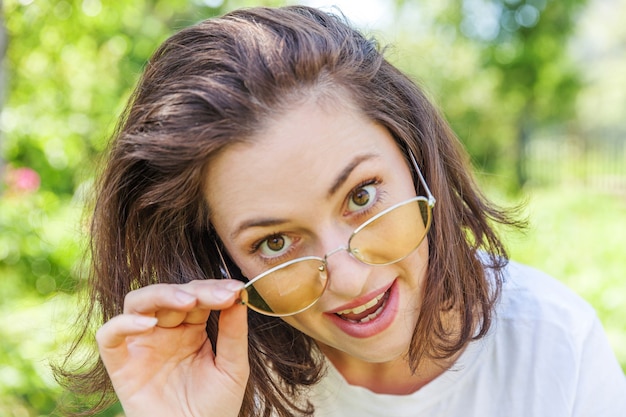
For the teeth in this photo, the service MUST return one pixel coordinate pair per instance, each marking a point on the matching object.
(372, 316)
(362, 308)
(368, 318)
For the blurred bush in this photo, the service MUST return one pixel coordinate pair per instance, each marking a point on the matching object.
(68, 69)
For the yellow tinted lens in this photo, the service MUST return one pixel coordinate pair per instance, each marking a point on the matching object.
(289, 289)
(393, 235)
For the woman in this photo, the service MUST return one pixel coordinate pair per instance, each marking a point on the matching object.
(286, 225)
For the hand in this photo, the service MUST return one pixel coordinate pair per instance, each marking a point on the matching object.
(159, 357)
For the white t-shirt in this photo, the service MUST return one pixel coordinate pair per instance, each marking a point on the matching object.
(546, 354)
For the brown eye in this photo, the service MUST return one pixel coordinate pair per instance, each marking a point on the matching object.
(275, 243)
(362, 198)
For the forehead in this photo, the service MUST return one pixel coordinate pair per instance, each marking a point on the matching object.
(296, 156)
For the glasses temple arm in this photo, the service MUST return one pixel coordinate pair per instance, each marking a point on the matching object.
(431, 198)
(223, 266)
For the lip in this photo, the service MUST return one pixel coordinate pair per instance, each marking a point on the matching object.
(372, 327)
(361, 300)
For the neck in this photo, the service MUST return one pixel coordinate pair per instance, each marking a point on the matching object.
(392, 377)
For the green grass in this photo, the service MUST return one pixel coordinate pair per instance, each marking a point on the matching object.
(579, 237)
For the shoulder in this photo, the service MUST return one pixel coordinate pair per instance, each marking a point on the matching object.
(538, 315)
(532, 297)
(550, 341)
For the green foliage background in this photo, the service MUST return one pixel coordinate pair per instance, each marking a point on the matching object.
(70, 66)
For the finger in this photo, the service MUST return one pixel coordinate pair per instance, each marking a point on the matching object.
(170, 318)
(205, 294)
(148, 300)
(197, 316)
(232, 342)
(215, 294)
(209, 295)
(113, 333)
(173, 318)
(111, 337)
(224, 292)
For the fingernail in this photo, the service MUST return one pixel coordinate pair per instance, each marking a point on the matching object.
(226, 289)
(145, 322)
(232, 285)
(183, 297)
(220, 294)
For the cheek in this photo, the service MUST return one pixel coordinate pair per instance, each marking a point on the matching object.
(422, 254)
(306, 322)
(417, 272)
(241, 265)
(421, 263)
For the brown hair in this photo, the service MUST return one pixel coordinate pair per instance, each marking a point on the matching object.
(214, 84)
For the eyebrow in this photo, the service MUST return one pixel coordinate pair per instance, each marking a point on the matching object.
(339, 181)
(345, 173)
(256, 223)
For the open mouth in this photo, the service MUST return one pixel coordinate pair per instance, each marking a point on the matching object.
(366, 312)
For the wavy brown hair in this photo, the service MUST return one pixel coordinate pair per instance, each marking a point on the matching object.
(217, 83)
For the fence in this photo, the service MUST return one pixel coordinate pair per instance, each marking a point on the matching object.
(597, 161)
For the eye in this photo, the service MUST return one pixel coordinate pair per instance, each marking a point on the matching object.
(362, 197)
(275, 245)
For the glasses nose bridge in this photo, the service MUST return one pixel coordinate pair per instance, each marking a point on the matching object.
(336, 250)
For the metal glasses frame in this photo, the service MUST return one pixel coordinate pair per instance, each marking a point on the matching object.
(430, 200)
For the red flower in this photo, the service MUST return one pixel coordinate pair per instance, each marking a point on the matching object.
(22, 180)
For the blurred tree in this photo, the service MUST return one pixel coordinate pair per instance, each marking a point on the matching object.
(524, 43)
(537, 72)
(500, 69)
(70, 65)
(3, 43)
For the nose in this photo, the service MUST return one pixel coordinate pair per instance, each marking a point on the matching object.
(347, 275)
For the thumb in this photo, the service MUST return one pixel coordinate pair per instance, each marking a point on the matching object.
(231, 351)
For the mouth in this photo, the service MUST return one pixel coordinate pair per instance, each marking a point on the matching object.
(365, 312)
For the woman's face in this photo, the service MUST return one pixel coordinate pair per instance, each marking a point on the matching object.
(300, 188)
